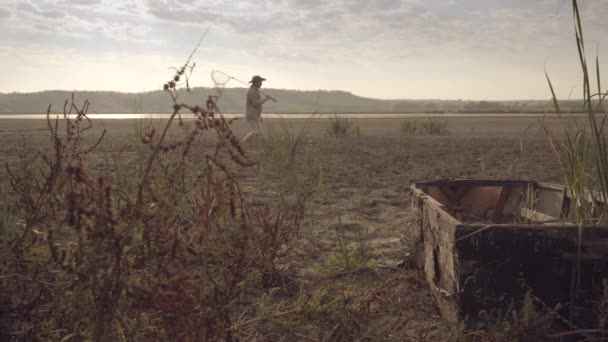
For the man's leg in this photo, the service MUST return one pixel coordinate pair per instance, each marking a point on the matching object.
(254, 125)
(260, 129)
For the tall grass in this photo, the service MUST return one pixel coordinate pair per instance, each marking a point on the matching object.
(434, 126)
(339, 126)
(583, 155)
(409, 127)
(8, 218)
(283, 148)
(583, 159)
(284, 155)
(429, 126)
(351, 257)
(523, 320)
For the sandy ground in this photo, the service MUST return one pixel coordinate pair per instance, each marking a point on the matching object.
(364, 188)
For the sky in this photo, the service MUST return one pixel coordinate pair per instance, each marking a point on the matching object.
(387, 49)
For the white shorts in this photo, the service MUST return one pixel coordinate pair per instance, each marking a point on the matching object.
(255, 128)
(254, 124)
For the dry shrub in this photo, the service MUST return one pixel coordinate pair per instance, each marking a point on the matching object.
(429, 126)
(172, 261)
(339, 126)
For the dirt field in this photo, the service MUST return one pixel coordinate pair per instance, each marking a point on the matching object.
(363, 190)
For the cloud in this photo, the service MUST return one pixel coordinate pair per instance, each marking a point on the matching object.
(387, 37)
(4, 13)
(31, 9)
(594, 16)
(127, 32)
(181, 15)
(89, 25)
(362, 6)
(372, 29)
(82, 2)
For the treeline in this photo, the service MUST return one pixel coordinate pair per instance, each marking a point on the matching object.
(232, 100)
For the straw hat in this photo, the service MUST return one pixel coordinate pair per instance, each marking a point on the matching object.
(257, 78)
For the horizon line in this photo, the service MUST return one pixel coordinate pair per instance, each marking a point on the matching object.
(283, 89)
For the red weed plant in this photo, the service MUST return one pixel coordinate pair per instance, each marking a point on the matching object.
(175, 260)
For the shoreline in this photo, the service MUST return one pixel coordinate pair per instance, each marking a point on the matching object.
(123, 116)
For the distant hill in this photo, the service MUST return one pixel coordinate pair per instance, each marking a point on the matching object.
(289, 101)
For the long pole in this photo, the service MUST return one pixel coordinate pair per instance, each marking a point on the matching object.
(246, 84)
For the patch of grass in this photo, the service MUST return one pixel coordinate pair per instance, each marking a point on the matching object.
(434, 126)
(429, 126)
(409, 127)
(582, 156)
(8, 217)
(398, 153)
(283, 155)
(339, 126)
(583, 161)
(282, 149)
(351, 257)
(602, 307)
(338, 310)
(522, 321)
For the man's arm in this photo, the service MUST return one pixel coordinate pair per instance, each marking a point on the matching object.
(254, 98)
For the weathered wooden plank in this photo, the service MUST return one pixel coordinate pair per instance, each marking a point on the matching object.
(479, 267)
(549, 201)
(536, 216)
(471, 182)
(501, 201)
(439, 258)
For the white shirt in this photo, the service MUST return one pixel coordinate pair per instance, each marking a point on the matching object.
(254, 103)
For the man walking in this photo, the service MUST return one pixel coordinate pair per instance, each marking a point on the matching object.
(253, 113)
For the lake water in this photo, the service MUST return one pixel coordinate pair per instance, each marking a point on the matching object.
(281, 116)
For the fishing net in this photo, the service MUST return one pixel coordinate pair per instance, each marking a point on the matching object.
(220, 80)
